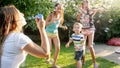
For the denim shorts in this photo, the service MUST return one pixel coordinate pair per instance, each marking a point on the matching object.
(78, 55)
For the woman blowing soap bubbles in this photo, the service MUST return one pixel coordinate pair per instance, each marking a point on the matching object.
(14, 44)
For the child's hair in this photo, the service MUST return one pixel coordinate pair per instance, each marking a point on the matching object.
(77, 23)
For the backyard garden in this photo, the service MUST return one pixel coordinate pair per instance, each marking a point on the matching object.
(107, 23)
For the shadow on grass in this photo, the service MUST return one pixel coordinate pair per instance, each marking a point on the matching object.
(102, 63)
(70, 66)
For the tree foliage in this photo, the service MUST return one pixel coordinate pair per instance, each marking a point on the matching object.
(107, 22)
(30, 8)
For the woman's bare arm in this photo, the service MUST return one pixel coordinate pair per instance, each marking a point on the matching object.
(78, 17)
(62, 20)
(43, 50)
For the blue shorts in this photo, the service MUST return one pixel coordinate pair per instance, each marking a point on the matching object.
(78, 55)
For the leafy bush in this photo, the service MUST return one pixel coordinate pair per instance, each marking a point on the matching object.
(107, 25)
(30, 8)
(107, 22)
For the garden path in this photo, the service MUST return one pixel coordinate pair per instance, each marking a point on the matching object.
(107, 52)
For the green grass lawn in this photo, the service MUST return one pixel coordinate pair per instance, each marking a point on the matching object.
(65, 60)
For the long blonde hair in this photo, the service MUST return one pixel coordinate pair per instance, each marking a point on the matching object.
(61, 13)
(62, 17)
(8, 22)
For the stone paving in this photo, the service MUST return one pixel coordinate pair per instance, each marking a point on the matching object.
(107, 52)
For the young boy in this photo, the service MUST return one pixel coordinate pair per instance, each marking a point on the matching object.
(78, 39)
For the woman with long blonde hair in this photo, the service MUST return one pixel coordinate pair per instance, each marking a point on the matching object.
(85, 17)
(53, 21)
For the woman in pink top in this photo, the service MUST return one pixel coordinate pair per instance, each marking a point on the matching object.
(85, 17)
